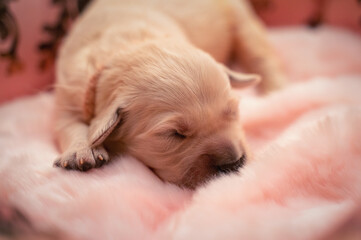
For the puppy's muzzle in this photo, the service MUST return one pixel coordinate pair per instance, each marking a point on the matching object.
(226, 159)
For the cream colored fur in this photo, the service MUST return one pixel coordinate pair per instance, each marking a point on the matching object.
(146, 78)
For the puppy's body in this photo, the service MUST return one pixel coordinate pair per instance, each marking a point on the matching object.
(144, 65)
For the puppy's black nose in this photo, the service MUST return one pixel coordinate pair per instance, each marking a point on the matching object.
(232, 167)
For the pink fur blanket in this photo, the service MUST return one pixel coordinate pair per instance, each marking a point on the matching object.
(304, 181)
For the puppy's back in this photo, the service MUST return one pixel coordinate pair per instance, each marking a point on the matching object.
(109, 27)
(102, 31)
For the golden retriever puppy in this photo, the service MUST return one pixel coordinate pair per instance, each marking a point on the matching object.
(146, 78)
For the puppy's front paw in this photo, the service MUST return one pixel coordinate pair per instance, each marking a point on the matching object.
(83, 159)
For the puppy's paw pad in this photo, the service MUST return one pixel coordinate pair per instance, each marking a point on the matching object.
(83, 159)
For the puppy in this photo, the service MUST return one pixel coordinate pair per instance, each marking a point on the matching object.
(146, 78)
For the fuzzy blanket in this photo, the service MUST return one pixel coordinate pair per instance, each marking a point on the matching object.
(304, 181)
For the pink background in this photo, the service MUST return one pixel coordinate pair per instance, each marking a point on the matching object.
(32, 15)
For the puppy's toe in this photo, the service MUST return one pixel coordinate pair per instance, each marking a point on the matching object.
(100, 156)
(83, 159)
(66, 161)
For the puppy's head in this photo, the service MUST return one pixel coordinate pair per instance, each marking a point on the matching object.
(171, 108)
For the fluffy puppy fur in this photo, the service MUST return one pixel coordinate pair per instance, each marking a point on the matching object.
(145, 78)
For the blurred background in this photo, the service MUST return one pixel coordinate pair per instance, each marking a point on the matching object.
(32, 30)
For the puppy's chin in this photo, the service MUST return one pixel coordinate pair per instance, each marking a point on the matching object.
(191, 177)
(195, 178)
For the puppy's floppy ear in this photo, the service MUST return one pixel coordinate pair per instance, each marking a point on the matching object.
(104, 124)
(241, 80)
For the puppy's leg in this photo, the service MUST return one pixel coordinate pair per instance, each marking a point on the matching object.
(253, 49)
(72, 135)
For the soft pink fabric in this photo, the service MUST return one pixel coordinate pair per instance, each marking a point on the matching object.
(304, 181)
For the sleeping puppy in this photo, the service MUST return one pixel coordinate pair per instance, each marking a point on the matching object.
(146, 78)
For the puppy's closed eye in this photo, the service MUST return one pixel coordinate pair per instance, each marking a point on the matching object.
(178, 130)
(172, 134)
(177, 134)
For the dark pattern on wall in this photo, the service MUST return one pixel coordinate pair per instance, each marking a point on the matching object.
(318, 16)
(69, 10)
(9, 34)
(261, 5)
